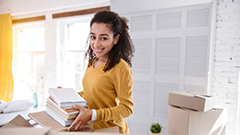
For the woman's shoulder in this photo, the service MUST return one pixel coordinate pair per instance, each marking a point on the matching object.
(123, 64)
(121, 67)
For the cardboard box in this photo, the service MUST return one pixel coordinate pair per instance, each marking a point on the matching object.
(191, 100)
(23, 131)
(189, 122)
(19, 126)
(46, 121)
(17, 122)
(111, 131)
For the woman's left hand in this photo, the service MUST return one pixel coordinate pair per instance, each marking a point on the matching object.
(81, 120)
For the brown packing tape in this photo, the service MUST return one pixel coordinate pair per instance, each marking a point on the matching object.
(18, 121)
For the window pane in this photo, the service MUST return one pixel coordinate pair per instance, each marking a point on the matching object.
(75, 65)
(77, 35)
(21, 90)
(24, 66)
(38, 78)
(30, 78)
(31, 39)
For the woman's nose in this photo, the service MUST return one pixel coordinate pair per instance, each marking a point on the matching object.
(96, 43)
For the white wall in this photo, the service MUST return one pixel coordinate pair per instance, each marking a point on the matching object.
(227, 61)
(132, 6)
(17, 7)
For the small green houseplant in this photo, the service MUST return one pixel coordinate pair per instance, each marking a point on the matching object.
(156, 128)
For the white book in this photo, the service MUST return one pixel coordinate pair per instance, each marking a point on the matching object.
(66, 97)
(58, 118)
(66, 113)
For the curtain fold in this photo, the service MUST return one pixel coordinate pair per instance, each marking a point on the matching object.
(6, 77)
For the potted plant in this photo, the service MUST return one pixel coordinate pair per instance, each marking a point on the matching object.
(156, 128)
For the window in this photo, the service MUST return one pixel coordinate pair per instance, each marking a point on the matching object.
(72, 62)
(28, 62)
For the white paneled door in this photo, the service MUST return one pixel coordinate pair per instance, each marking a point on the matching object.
(171, 53)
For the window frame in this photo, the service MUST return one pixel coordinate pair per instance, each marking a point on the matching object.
(61, 46)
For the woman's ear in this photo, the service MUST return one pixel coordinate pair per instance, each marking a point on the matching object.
(115, 41)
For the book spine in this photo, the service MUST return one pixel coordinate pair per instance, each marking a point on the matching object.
(67, 114)
(58, 118)
(72, 112)
(58, 113)
(70, 105)
(50, 102)
(55, 98)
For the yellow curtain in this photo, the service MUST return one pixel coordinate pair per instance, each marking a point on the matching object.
(6, 77)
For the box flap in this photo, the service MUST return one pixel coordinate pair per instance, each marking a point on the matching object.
(202, 96)
(211, 122)
(191, 94)
(18, 121)
(23, 131)
(46, 121)
(191, 100)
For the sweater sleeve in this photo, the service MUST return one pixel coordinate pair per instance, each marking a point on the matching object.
(81, 94)
(123, 85)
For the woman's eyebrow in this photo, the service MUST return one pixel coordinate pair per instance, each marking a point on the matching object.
(91, 33)
(104, 35)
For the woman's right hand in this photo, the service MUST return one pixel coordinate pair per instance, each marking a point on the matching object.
(81, 120)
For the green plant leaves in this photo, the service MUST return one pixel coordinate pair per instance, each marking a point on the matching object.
(156, 128)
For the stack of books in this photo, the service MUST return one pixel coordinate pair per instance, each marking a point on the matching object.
(60, 105)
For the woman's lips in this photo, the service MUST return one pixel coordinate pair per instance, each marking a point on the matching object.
(98, 50)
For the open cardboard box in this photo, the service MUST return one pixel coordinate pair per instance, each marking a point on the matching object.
(50, 127)
(191, 100)
(189, 122)
(19, 125)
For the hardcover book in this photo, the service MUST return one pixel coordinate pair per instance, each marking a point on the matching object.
(58, 118)
(66, 97)
(60, 114)
(67, 112)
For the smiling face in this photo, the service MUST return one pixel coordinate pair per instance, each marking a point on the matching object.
(102, 40)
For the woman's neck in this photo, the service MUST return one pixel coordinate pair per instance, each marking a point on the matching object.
(98, 62)
(102, 60)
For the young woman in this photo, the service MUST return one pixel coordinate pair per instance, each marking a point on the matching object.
(107, 83)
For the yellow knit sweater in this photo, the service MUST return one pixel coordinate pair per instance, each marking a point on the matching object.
(110, 93)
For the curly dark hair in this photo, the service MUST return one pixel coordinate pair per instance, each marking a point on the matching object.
(123, 49)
